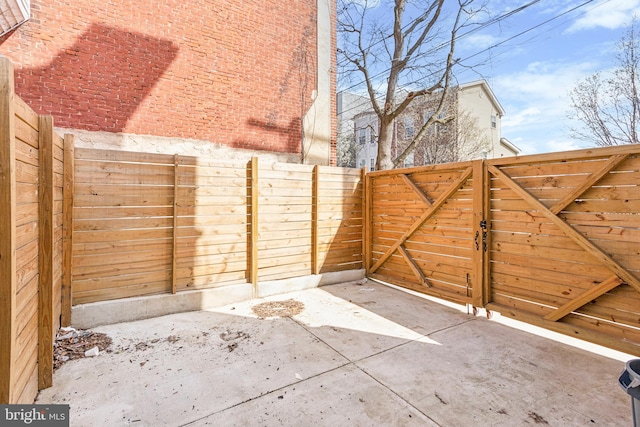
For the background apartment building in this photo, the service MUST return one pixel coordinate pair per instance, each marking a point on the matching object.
(473, 132)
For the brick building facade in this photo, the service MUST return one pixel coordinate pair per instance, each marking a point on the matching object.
(183, 76)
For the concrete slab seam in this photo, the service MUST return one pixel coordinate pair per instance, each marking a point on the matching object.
(355, 364)
(275, 390)
(446, 328)
(397, 395)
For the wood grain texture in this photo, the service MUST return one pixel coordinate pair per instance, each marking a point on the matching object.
(8, 265)
(45, 253)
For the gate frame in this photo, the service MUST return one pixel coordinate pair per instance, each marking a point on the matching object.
(482, 172)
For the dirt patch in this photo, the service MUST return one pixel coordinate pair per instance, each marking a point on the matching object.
(233, 338)
(233, 335)
(145, 345)
(72, 344)
(444, 402)
(287, 308)
(537, 418)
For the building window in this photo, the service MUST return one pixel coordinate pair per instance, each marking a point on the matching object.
(362, 136)
(363, 162)
(373, 165)
(409, 130)
(493, 121)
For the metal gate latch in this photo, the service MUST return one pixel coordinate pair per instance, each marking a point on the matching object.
(483, 225)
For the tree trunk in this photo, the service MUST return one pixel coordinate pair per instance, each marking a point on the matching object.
(385, 139)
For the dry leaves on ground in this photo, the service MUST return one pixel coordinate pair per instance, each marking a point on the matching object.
(71, 344)
(287, 308)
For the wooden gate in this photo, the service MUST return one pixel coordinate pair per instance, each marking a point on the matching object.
(565, 243)
(553, 240)
(424, 229)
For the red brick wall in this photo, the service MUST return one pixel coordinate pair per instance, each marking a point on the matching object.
(230, 72)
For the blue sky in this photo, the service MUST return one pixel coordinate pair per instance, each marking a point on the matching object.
(532, 74)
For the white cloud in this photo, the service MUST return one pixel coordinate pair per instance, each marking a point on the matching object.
(610, 14)
(538, 103)
(479, 41)
(521, 118)
(562, 145)
(545, 83)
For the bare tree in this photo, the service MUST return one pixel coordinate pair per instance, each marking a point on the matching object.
(346, 149)
(411, 51)
(607, 106)
(458, 140)
(471, 142)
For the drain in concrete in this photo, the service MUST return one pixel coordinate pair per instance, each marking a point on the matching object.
(287, 308)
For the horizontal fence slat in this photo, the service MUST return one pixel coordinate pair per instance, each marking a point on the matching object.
(25, 113)
(122, 156)
(124, 211)
(537, 266)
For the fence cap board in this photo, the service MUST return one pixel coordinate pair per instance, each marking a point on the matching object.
(565, 156)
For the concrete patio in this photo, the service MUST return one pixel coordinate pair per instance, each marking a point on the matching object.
(357, 355)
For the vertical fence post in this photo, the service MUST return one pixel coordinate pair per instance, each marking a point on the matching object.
(8, 281)
(174, 278)
(45, 251)
(477, 257)
(367, 202)
(67, 229)
(253, 262)
(486, 260)
(315, 264)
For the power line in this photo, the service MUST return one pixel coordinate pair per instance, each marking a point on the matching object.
(548, 31)
(443, 44)
(478, 28)
(483, 50)
(531, 29)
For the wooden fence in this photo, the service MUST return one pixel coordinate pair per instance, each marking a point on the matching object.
(552, 240)
(565, 243)
(146, 224)
(421, 229)
(31, 244)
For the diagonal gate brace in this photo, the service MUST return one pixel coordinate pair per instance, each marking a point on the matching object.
(421, 194)
(611, 164)
(425, 216)
(569, 231)
(585, 298)
(415, 268)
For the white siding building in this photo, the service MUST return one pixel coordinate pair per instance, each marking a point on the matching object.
(478, 100)
(348, 105)
(475, 99)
